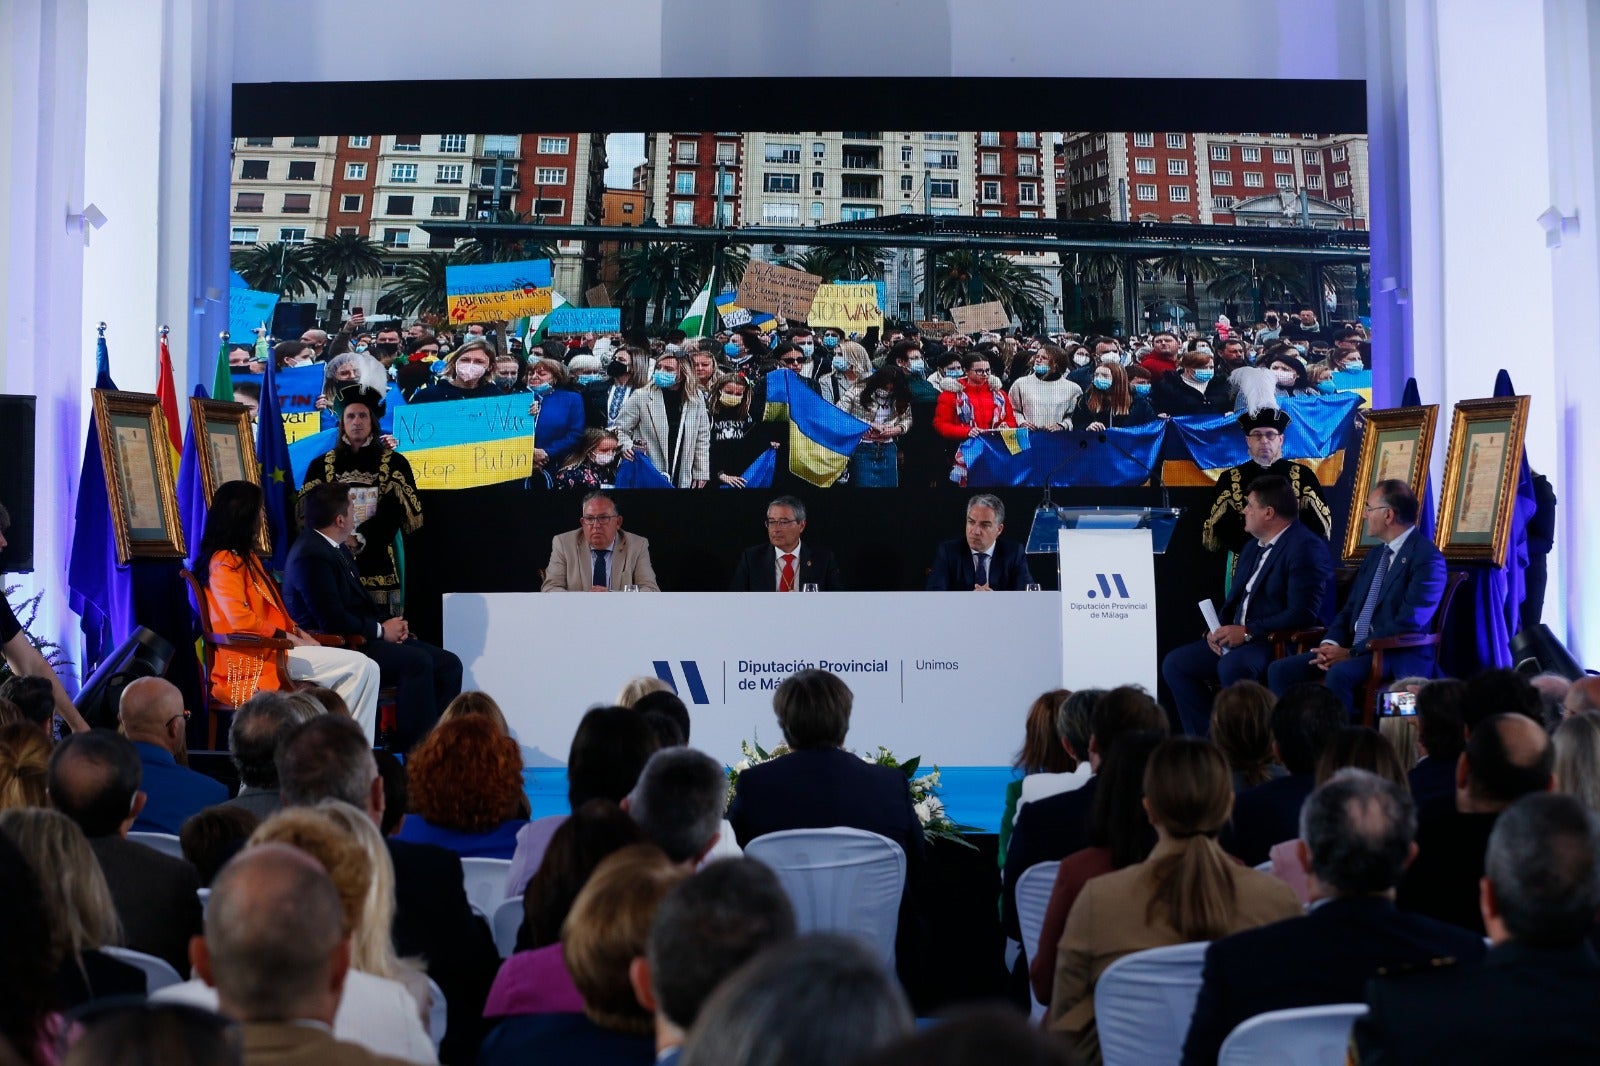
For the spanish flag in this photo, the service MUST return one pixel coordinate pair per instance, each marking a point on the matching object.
(821, 437)
(167, 394)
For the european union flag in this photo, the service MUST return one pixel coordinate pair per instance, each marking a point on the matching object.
(99, 591)
(640, 473)
(277, 475)
(1412, 397)
(821, 437)
(1113, 458)
(192, 503)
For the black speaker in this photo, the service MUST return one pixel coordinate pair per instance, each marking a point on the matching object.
(144, 654)
(1536, 650)
(16, 481)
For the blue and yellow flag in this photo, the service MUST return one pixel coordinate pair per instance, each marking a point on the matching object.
(1117, 457)
(733, 316)
(1319, 426)
(821, 437)
(497, 292)
(758, 475)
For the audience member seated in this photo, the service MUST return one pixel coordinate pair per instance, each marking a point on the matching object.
(1577, 760)
(465, 781)
(253, 738)
(79, 915)
(705, 929)
(29, 1023)
(277, 952)
(535, 979)
(377, 1010)
(1187, 890)
(313, 700)
(153, 717)
(1584, 695)
(1357, 833)
(609, 748)
(972, 1037)
(34, 698)
(1552, 689)
(979, 561)
(786, 563)
(678, 803)
(215, 835)
(1353, 748)
(666, 702)
(1241, 728)
(1441, 737)
(1281, 583)
(396, 792)
(1494, 692)
(171, 1034)
(24, 766)
(1396, 592)
(329, 758)
(1304, 721)
(637, 688)
(769, 1011)
(476, 704)
(94, 780)
(1046, 754)
(323, 589)
(1055, 827)
(243, 598)
(600, 556)
(1533, 999)
(1507, 757)
(11, 714)
(606, 931)
(1120, 834)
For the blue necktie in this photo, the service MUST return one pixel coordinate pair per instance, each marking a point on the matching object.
(980, 564)
(600, 567)
(1370, 604)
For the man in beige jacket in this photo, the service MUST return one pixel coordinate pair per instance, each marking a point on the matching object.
(599, 557)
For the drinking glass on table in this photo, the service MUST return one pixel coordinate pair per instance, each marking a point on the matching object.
(810, 586)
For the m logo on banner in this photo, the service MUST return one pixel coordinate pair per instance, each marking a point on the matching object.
(691, 678)
(1105, 589)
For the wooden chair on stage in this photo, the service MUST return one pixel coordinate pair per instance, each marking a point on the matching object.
(211, 640)
(1306, 639)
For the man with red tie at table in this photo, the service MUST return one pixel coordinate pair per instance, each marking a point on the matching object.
(1283, 580)
(981, 561)
(784, 563)
(1396, 592)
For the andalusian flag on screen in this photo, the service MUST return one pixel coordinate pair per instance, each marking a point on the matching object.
(538, 325)
(694, 323)
(821, 437)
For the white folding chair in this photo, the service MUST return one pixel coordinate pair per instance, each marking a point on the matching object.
(1143, 1003)
(485, 881)
(205, 899)
(1264, 867)
(158, 973)
(438, 1014)
(506, 923)
(1304, 1036)
(839, 880)
(162, 842)
(1033, 899)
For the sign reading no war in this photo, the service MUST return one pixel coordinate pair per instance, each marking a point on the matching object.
(464, 444)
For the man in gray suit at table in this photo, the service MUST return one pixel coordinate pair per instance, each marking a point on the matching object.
(599, 557)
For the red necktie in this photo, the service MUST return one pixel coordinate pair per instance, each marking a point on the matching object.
(786, 584)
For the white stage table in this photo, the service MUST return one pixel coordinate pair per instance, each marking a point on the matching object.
(944, 675)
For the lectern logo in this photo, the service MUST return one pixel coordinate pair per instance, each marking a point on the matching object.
(691, 679)
(1105, 588)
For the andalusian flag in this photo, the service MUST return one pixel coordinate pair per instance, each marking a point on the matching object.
(167, 396)
(821, 436)
(538, 325)
(263, 349)
(222, 381)
(694, 323)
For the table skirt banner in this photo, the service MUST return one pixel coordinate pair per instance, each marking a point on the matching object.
(955, 701)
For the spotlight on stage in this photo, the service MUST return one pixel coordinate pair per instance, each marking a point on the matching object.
(1536, 651)
(145, 654)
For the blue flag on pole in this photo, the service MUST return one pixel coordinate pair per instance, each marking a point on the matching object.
(640, 473)
(1412, 397)
(277, 475)
(191, 485)
(99, 591)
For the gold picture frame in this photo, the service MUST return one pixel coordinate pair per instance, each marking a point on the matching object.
(1480, 479)
(136, 453)
(230, 452)
(1398, 444)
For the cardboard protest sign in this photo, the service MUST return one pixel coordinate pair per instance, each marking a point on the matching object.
(497, 292)
(777, 290)
(569, 319)
(599, 296)
(851, 308)
(974, 318)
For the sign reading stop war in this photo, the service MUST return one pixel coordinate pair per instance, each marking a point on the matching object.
(852, 308)
(973, 318)
(495, 292)
(777, 290)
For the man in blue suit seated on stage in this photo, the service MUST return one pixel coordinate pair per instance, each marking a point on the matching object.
(981, 561)
(1281, 583)
(1396, 592)
(323, 591)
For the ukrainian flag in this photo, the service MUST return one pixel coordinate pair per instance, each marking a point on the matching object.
(734, 316)
(821, 437)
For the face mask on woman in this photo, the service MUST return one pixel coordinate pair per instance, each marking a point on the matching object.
(830, 341)
(731, 350)
(543, 389)
(1110, 357)
(841, 364)
(729, 400)
(1141, 388)
(955, 373)
(1081, 359)
(665, 379)
(1286, 378)
(617, 368)
(603, 458)
(1327, 386)
(1353, 365)
(590, 379)
(507, 381)
(1103, 384)
(917, 366)
(469, 372)
(1041, 369)
(808, 348)
(1204, 374)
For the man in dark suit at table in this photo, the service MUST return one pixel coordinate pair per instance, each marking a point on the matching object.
(784, 563)
(981, 561)
(323, 592)
(1396, 593)
(1282, 582)
(1357, 833)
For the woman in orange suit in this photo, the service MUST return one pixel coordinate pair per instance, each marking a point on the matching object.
(243, 598)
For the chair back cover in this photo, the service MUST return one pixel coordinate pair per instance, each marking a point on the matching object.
(158, 973)
(1143, 1003)
(485, 881)
(1303, 1036)
(506, 922)
(839, 880)
(438, 1014)
(1033, 898)
(166, 843)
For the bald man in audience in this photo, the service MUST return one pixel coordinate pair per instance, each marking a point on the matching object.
(276, 952)
(153, 717)
(1584, 695)
(1508, 756)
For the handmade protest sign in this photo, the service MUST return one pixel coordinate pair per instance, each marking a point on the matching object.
(974, 318)
(497, 292)
(851, 308)
(777, 290)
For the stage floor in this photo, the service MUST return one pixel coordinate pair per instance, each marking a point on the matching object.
(973, 795)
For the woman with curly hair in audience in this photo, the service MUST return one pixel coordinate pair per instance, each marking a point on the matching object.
(465, 782)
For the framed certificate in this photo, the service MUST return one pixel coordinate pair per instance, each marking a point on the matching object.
(1480, 479)
(230, 452)
(137, 455)
(1397, 446)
